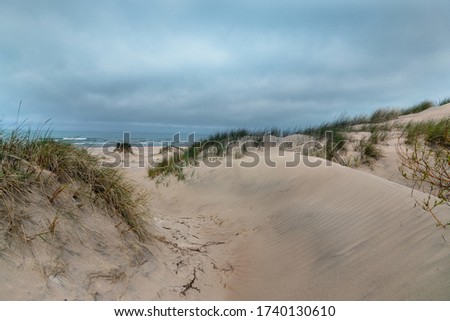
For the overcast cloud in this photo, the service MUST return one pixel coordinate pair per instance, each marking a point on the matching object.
(134, 65)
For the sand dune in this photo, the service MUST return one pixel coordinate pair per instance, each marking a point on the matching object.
(433, 113)
(324, 233)
(387, 166)
(327, 233)
(236, 233)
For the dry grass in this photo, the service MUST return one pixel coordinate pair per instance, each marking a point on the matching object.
(25, 156)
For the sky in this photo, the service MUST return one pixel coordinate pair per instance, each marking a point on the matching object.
(142, 65)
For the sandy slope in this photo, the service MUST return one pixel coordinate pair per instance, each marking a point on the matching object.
(433, 113)
(387, 166)
(315, 234)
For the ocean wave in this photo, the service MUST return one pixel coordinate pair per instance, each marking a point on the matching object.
(74, 138)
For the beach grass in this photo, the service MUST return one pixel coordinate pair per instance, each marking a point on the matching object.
(369, 151)
(444, 101)
(25, 155)
(168, 166)
(332, 133)
(424, 105)
(435, 133)
(373, 122)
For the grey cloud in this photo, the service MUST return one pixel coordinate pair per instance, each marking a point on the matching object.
(218, 63)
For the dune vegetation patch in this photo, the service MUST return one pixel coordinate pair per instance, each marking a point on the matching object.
(425, 160)
(434, 133)
(168, 166)
(332, 138)
(33, 162)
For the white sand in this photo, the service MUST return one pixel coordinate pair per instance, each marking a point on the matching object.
(309, 234)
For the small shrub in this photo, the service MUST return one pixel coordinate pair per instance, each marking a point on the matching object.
(428, 169)
(124, 148)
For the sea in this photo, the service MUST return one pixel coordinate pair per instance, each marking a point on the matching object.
(111, 138)
(102, 138)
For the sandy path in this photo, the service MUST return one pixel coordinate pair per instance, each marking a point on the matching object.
(297, 234)
(326, 233)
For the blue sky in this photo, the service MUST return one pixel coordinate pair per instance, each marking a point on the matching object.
(139, 65)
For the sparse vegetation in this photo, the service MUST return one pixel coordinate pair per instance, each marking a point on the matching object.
(334, 146)
(429, 169)
(124, 148)
(346, 123)
(25, 157)
(332, 134)
(435, 133)
(426, 162)
(378, 136)
(168, 166)
(221, 140)
(383, 115)
(444, 101)
(424, 105)
(369, 151)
